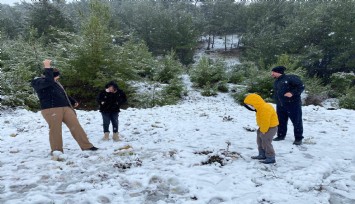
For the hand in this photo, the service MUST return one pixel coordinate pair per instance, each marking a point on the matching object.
(47, 63)
(288, 94)
(107, 90)
(76, 105)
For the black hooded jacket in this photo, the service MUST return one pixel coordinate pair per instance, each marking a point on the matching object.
(111, 102)
(288, 83)
(50, 93)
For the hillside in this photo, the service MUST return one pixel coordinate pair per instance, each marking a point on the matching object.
(195, 152)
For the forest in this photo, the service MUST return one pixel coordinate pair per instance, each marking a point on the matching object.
(147, 45)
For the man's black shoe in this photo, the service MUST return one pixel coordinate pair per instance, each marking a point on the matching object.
(297, 142)
(93, 148)
(278, 139)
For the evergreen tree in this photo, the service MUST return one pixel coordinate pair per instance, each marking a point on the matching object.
(46, 18)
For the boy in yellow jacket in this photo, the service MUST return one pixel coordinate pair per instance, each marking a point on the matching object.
(266, 119)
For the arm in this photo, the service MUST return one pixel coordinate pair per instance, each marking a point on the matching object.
(46, 81)
(297, 86)
(120, 97)
(101, 97)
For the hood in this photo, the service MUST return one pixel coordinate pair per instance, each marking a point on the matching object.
(255, 100)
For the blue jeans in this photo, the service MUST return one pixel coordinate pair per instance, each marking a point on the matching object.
(110, 118)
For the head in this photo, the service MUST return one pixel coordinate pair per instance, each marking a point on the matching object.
(276, 72)
(253, 101)
(112, 86)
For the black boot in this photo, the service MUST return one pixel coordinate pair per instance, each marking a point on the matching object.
(260, 156)
(297, 142)
(278, 138)
(269, 160)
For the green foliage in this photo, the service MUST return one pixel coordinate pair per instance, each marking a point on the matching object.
(318, 33)
(241, 72)
(93, 59)
(240, 95)
(315, 90)
(207, 72)
(20, 65)
(172, 93)
(348, 101)
(162, 27)
(168, 69)
(340, 83)
(44, 16)
(209, 90)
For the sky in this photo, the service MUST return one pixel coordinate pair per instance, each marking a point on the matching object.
(12, 2)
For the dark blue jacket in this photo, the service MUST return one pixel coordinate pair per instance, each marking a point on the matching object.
(50, 93)
(288, 83)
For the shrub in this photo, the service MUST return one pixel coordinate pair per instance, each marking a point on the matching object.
(209, 90)
(340, 83)
(208, 72)
(348, 101)
(168, 69)
(240, 72)
(316, 92)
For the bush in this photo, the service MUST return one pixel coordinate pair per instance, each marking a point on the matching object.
(168, 69)
(207, 74)
(240, 72)
(315, 90)
(340, 83)
(240, 95)
(348, 101)
(209, 90)
(172, 93)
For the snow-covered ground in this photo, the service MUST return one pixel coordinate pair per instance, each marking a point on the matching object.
(167, 162)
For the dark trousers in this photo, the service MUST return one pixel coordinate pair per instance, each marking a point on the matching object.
(294, 112)
(108, 118)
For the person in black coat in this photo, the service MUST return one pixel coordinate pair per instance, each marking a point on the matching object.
(57, 108)
(287, 95)
(109, 101)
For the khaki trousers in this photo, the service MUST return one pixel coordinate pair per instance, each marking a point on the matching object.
(264, 141)
(55, 117)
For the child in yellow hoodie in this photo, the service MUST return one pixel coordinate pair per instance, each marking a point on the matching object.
(266, 119)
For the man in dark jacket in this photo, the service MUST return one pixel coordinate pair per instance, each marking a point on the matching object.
(57, 108)
(287, 95)
(109, 101)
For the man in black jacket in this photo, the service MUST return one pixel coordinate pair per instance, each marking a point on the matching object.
(287, 95)
(109, 101)
(57, 108)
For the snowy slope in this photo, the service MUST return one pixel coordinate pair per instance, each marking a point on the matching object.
(169, 145)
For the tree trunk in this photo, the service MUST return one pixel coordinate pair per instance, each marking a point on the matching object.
(209, 42)
(225, 42)
(212, 41)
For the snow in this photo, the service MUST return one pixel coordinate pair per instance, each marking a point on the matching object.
(159, 159)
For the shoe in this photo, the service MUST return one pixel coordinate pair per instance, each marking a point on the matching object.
(278, 138)
(259, 157)
(297, 142)
(269, 160)
(93, 148)
(116, 137)
(106, 136)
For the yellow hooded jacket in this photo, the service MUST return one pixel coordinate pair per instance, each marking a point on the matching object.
(266, 116)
